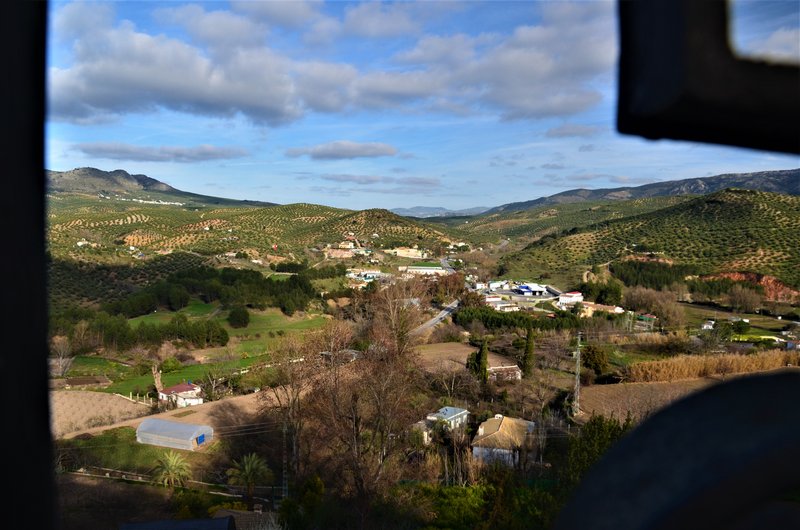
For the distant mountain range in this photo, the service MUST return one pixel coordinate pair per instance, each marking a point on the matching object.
(89, 180)
(781, 181)
(437, 211)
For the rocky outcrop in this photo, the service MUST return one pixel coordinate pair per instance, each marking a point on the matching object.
(774, 289)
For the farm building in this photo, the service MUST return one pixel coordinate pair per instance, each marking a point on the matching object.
(182, 395)
(503, 439)
(154, 431)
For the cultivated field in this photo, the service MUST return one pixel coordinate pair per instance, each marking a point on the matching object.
(642, 399)
(75, 410)
(214, 413)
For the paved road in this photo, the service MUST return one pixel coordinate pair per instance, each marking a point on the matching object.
(446, 266)
(444, 313)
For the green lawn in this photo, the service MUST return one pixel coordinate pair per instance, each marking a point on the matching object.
(83, 365)
(760, 325)
(118, 449)
(194, 372)
(426, 264)
(195, 309)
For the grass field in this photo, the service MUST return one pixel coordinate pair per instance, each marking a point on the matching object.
(761, 325)
(86, 365)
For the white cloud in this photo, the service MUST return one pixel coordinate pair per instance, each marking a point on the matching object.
(357, 179)
(783, 45)
(78, 19)
(572, 129)
(452, 51)
(343, 149)
(121, 70)
(121, 151)
(375, 19)
(215, 28)
(324, 86)
(292, 14)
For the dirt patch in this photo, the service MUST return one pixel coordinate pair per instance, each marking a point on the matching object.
(453, 356)
(215, 413)
(75, 410)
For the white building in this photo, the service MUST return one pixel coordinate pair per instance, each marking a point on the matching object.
(566, 300)
(182, 395)
(454, 417)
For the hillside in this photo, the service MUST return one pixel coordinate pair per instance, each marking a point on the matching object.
(783, 181)
(732, 230)
(96, 229)
(541, 221)
(120, 185)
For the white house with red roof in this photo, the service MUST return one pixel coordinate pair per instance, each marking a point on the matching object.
(568, 300)
(182, 395)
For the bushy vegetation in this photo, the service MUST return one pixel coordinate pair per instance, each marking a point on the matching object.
(691, 366)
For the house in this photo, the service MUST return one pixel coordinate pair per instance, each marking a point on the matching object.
(708, 324)
(569, 299)
(504, 373)
(506, 308)
(503, 439)
(498, 284)
(424, 428)
(489, 298)
(423, 271)
(454, 417)
(405, 252)
(346, 245)
(182, 395)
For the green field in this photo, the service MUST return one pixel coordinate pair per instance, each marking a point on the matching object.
(760, 325)
(83, 365)
(195, 372)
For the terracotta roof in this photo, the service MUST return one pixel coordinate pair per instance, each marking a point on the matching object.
(180, 387)
(503, 433)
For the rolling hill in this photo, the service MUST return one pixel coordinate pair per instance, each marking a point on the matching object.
(783, 181)
(733, 230)
(121, 185)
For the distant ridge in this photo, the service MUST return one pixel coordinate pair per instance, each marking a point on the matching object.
(437, 211)
(94, 181)
(781, 181)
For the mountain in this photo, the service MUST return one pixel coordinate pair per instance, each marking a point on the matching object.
(437, 211)
(782, 181)
(733, 230)
(121, 184)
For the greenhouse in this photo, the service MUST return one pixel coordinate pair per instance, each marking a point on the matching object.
(172, 434)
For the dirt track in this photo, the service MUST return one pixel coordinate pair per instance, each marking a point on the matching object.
(71, 407)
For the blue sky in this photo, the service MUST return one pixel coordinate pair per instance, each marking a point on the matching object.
(369, 105)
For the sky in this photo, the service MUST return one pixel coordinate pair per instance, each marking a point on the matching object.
(369, 104)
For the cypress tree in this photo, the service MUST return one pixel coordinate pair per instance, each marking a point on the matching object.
(527, 359)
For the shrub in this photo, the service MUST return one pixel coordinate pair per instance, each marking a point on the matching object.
(239, 317)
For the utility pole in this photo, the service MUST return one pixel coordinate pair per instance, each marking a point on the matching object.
(285, 478)
(576, 407)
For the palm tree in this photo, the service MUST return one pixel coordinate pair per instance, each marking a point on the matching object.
(248, 472)
(172, 470)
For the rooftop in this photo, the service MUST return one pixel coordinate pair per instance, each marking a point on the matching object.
(502, 432)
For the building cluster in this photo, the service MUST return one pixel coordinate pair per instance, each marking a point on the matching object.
(500, 439)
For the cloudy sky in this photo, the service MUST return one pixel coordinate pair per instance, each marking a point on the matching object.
(363, 105)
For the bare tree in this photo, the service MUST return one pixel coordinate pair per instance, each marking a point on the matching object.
(361, 409)
(61, 349)
(396, 310)
(296, 362)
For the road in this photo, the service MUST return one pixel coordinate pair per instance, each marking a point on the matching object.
(446, 266)
(444, 313)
